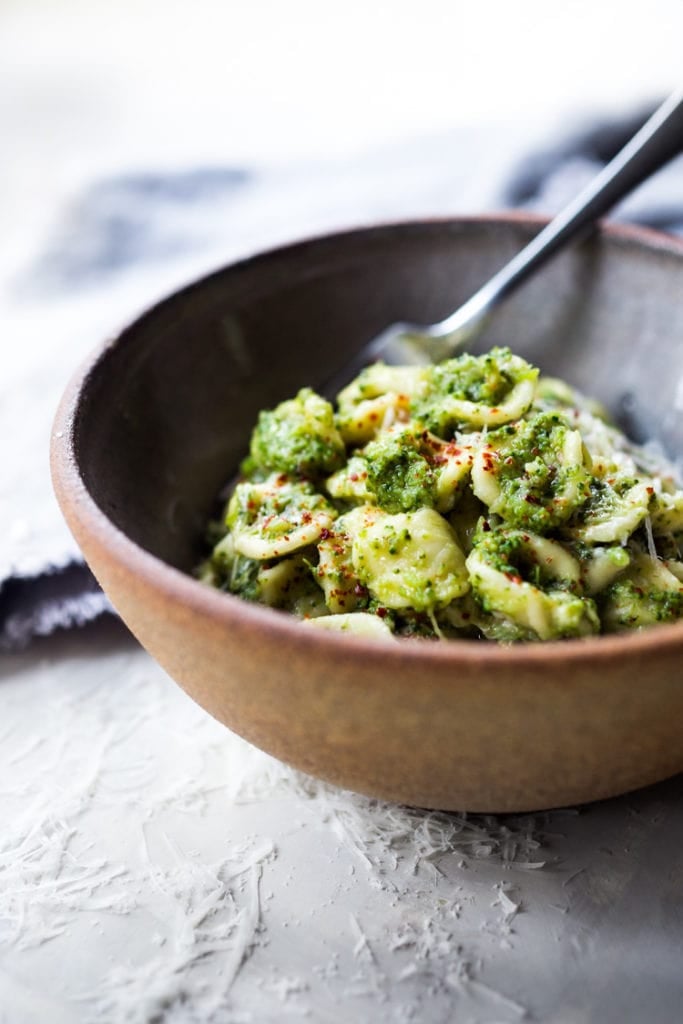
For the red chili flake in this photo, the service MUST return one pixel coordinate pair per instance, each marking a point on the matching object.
(353, 476)
(306, 517)
(281, 480)
(532, 499)
(373, 416)
(465, 615)
(509, 461)
(359, 590)
(513, 577)
(495, 410)
(486, 526)
(382, 612)
(325, 534)
(650, 490)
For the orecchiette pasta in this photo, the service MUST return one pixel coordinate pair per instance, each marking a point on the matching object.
(471, 499)
(274, 517)
(410, 560)
(533, 473)
(531, 582)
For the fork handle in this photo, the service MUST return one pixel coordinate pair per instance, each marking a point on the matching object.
(660, 139)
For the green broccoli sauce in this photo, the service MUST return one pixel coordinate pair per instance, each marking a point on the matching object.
(298, 437)
(237, 574)
(539, 490)
(626, 605)
(483, 380)
(507, 551)
(466, 500)
(279, 507)
(604, 499)
(399, 476)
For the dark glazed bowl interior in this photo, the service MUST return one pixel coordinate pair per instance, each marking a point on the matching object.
(158, 421)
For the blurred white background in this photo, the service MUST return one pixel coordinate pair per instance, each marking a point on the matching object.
(91, 86)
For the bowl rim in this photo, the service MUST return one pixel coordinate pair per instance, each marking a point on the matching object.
(229, 611)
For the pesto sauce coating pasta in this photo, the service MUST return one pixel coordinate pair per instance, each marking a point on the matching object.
(470, 499)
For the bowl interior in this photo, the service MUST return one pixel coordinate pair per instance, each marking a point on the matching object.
(165, 412)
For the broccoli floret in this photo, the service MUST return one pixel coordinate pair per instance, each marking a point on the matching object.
(298, 437)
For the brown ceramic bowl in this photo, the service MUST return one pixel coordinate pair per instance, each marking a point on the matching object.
(154, 424)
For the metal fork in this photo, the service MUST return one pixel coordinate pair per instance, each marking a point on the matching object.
(660, 139)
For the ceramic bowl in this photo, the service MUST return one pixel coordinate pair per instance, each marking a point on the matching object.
(156, 422)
